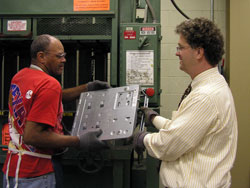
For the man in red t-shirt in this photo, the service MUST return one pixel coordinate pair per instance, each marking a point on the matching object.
(35, 114)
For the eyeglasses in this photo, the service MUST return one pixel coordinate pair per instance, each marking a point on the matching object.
(59, 55)
(180, 48)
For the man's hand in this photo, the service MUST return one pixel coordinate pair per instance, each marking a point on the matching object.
(89, 140)
(138, 144)
(97, 85)
(148, 115)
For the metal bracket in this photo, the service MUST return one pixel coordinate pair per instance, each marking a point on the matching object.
(113, 110)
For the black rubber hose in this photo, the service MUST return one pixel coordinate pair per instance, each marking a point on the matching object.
(179, 9)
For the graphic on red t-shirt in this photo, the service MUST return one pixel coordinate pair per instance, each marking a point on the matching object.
(38, 98)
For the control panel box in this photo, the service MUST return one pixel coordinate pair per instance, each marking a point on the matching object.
(140, 57)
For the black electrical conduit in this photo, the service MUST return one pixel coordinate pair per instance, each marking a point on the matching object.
(179, 9)
(153, 12)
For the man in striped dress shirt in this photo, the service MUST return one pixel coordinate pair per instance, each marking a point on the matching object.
(198, 145)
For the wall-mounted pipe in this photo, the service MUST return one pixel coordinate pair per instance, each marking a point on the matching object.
(145, 14)
(18, 63)
(151, 11)
(2, 89)
(62, 79)
(77, 66)
(212, 10)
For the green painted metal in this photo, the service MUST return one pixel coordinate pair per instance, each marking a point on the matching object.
(127, 11)
(46, 7)
(26, 32)
(156, 4)
(139, 44)
(118, 171)
(114, 48)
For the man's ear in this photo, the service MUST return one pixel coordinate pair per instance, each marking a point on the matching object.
(40, 57)
(199, 53)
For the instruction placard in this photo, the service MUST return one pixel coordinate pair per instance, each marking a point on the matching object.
(140, 67)
(91, 5)
(17, 25)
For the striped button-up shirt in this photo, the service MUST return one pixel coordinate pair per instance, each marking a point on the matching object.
(198, 145)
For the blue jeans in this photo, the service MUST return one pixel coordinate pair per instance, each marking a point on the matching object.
(58, 170)
(45, 181)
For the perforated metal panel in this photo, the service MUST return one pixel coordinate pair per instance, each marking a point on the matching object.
(75, 26)
(113, 110)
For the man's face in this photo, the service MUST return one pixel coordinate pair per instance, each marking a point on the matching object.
(55, 57)
(186, 55)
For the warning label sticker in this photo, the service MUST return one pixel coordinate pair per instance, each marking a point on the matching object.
(148, 31)
(90, 5)
(129, 35)
(16, 25)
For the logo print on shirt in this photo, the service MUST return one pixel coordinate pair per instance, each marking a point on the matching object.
(17, 104)
(29, 94)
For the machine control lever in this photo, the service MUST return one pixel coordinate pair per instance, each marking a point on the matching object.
(149, 92)
(142, 41)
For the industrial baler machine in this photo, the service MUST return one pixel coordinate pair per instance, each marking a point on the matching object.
(117, 41)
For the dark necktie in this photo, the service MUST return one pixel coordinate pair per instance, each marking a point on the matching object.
(187, 91)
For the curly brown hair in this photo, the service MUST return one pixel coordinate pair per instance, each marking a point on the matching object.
(201, 32)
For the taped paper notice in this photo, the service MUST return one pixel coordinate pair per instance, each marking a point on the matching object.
(90, 5)
(140, 67)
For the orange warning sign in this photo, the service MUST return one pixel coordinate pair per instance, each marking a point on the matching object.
(90, 5)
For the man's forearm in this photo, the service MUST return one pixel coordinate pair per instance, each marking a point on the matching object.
(41, 135)
(71, 94)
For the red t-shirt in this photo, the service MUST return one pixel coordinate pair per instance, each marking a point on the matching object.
(34, 96)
